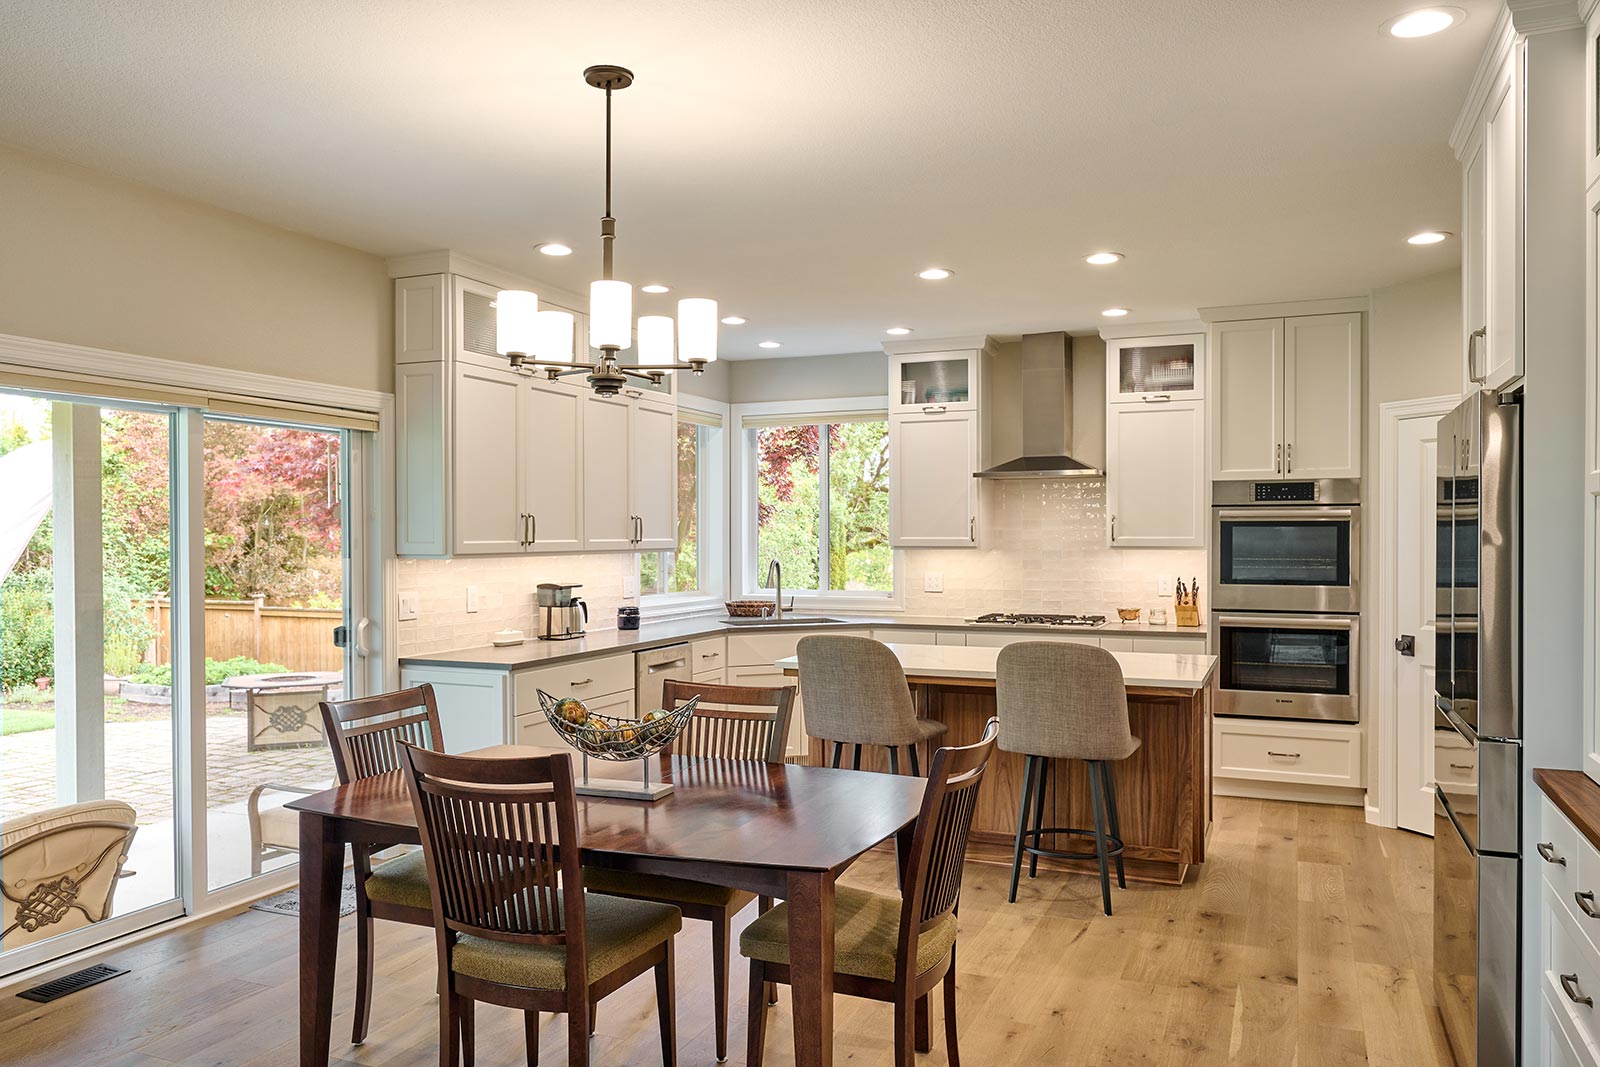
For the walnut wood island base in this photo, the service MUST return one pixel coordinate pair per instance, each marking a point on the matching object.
(1163, 789)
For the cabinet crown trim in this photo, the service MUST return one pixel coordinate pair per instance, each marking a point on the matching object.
(1287, 309)
(970, 343)
(444, 261)
(1483, 82)
(1123, 331)
(1545, 16)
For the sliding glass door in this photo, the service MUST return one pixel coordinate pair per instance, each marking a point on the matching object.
(89, 846)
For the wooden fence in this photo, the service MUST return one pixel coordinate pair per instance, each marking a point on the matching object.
(299, 638)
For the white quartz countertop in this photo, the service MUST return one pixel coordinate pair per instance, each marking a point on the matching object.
(1152, 670)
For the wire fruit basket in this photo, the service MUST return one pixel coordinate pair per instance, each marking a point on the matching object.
(622, 741)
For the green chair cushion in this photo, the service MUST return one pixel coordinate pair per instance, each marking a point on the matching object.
(403, 881)
(866, 933)
(656, 887)
(618, 931)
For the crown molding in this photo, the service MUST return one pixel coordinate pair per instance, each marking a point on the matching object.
(1501, 38)
(1587, 10)
(444, 261)
(1122, 331)
(1336, 306)
(971, 342)
(69, 359)
(1544, 16)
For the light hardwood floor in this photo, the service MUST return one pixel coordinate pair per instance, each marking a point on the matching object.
(1305, 940)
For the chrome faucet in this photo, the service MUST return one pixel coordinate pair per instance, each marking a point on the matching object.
(775, 579)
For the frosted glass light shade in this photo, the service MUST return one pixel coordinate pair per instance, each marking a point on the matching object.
(655, 341)
(553, 336)
(514, 331)
(697, 330)
(610, 315)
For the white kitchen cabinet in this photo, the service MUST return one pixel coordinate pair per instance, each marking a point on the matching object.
(1280, 751)
(1322, 396)
(1155, 369)
(1156, 474)
(1474, 235)
(422, 450)
(487, 478)
(1499, 359)
(550, 425)
(1002, 638)
(474, 705)
(653, 473)
(933, 382)
(1246, 396)
(933, 497)
(1287, 397)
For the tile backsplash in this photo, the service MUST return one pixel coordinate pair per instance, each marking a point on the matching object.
(1043, 549)
(505, 587)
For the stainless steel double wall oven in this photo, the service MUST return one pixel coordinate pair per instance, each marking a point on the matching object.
(1286, 597)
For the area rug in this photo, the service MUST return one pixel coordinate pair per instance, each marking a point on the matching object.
(289, 903)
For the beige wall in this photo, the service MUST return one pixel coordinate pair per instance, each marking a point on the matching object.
(87, 258)
(1413, 345)
(809, 377)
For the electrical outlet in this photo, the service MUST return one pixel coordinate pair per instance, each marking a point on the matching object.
(630, 588)
(408, 607)
(472, 599)
(1164, 585)
(933, 583)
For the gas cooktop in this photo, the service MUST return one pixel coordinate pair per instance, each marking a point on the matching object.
(1005, 618)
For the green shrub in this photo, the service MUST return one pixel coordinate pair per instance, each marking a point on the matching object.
(217, 671)
(27, 628)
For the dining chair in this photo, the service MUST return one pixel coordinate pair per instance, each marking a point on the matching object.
(731, 722)
(365, 735)
(857, 694)
(887, 948)
(513, 924)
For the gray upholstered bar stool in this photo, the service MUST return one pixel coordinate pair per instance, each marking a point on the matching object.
(855, 693)
(1064, 701)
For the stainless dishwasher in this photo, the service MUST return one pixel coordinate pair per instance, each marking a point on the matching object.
(652, 668)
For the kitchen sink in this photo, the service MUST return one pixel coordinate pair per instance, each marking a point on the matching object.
(787, 620)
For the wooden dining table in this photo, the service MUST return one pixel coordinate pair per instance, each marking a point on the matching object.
(779, 830)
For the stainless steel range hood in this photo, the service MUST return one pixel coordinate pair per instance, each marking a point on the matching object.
(1046, 414)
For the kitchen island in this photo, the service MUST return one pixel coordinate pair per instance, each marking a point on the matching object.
(1163, 789)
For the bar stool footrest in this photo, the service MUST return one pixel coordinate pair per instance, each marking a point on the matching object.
(1114, 845)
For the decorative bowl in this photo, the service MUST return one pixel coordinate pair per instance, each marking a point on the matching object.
(748, 609)
(1128, 614)
(630, 739)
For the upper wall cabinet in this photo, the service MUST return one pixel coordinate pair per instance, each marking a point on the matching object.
(936, 441)
(495, 462)
(1286, 395)
(1155, 438)
(1491, 238)
(1154, 370)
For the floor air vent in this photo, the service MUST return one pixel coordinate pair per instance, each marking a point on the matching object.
(71, 983)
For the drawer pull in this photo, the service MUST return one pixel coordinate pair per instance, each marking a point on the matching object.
(1586, 904)
(710, 655)
(581, 681)
(1461, 766)
(1283, 755)
(1547, 852)
(1569, 986)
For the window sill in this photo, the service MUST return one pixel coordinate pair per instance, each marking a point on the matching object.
(668, 606)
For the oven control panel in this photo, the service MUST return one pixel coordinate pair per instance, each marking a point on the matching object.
(1284, 492)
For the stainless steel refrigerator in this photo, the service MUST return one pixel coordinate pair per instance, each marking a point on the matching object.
(1477, 843)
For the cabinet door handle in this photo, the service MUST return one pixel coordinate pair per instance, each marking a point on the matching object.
(1113, 527)
(972, 529)
(523, 538)
(1466, 767)
(1283, 755)
(934, 409)
(1569, 986)
(710, 655)
(1288, 458)
(1158, 398)
(1547, 851)
(1586, 904)
(1482, 332)
(580, 681)
(1277, 460)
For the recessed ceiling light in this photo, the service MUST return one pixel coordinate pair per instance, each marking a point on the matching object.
(654, 289)
(934, 274)
(898, 331)
(555, 248)
(1424, 22)
(1115, 313)
(770, 344)
(1101, 259)
(732, 320)
(1428, 237)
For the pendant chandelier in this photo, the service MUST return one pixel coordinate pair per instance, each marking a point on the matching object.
(543, 340)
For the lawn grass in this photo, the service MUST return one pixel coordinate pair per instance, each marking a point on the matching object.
(25, 720)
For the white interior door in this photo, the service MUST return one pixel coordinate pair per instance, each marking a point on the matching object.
(1416, 544)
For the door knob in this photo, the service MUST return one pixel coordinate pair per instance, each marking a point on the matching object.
(1406, 645)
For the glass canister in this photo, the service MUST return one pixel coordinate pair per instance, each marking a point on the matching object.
(627, 618)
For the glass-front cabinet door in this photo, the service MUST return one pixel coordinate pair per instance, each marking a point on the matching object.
(1154, 370)
(934, 382)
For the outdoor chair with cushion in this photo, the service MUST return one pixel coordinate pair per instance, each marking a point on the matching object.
(59, 868)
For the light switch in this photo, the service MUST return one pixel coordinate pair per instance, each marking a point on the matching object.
(408, 607)
(933, 583)
(472, 599)
(630, 588)
(1164, 585)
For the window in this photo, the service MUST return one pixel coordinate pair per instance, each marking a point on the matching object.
(820, 504)
(695, 567)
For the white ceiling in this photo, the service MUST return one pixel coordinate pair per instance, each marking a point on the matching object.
(798, 161)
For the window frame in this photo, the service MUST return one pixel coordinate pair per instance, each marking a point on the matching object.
(712, 502)
(745, 562)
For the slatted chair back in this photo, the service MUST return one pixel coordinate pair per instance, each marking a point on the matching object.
(366, 733)
(931, 882)
(732, 722)
(500, 840)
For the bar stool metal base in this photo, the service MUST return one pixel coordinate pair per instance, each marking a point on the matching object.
(894, 758)
(1107, 832)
